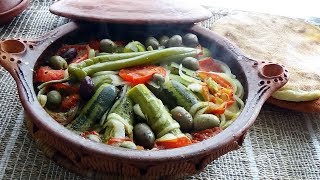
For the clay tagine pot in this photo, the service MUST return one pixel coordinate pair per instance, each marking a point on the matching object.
(124, 21)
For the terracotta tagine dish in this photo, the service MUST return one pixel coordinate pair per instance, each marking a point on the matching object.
(114, 146)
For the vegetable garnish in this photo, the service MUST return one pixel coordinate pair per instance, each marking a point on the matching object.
(117, 140)
(65, 87)
(218, 79)
(205, 134)
(173, 143)
(208, 64)
(159, 97)
(82, 52)
(94, 44)
(69, 102)
(45, 73)
(217, 89)
(141, 74)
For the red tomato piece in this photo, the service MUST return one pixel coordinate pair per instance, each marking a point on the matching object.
(205, 134)
(141, 74)
(69, 102)
(209, 64)
(173, 143)
(45, 73)
(94, 44)
(64, 87)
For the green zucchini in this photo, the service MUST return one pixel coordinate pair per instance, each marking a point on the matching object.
(173, 94)
(121, 111)
(95, 108)
(158, 118)
(174, 69)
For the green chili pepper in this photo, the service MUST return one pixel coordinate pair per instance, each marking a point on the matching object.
(108, 57)
(149, 58)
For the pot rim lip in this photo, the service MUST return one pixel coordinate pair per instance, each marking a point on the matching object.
(230, 135)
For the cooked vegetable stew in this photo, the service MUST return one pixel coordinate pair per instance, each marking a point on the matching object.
(165, 92)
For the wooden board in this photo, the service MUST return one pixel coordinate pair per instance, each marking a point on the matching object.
(132, 12)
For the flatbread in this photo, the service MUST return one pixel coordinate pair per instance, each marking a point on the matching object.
(291, 42)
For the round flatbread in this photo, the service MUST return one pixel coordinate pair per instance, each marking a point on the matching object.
(291, 42)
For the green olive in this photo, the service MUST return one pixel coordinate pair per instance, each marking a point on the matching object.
(58, 62)
(205, 121)
(190, 40)
(183, 117)
(134, 46)
(175, 41)
(153, 42)
(163, 41)
(107, 45)
(190, 63)
(150, 48)
(54, 98)
(158, 78)
(143, 135)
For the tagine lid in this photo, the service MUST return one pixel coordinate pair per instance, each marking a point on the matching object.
(132, 12)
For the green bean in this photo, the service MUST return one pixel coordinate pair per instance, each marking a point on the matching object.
(105, 57)
(148, 58)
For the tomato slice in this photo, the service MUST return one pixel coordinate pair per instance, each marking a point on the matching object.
(45, 73)
(173, 143)
(205, 134)
(141, 74)
(69, 102)
(82, 52)
(209, 64)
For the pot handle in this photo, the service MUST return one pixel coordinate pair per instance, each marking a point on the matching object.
(22, 54)
(261, 78)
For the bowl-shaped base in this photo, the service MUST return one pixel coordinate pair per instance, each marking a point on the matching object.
(95, 167)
